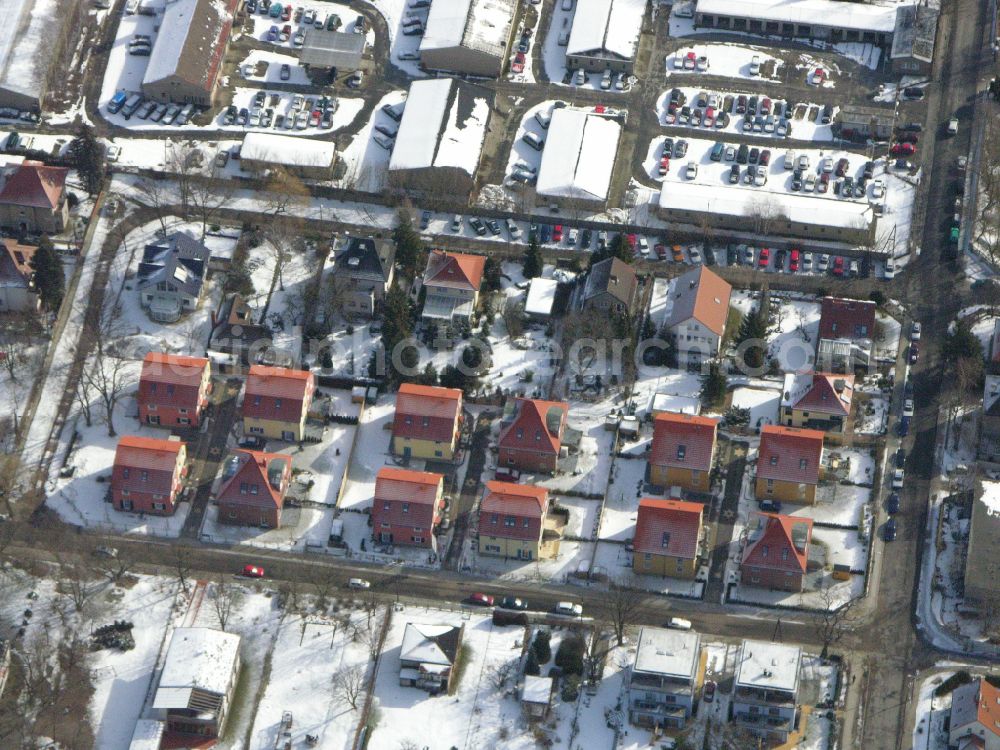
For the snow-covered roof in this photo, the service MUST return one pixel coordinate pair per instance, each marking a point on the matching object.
(187, 43)
(671, 402)
(860, 16)
(990, 497)
(740, 201)
(24, 51)
(579, 155)
(198, 658)
(482, 25)
(610, 26)
(536, 689)
(147, 735)
(767, 665)
(443, 125)
(288, 150)
(674, 653)
(420, 644)
(541, 296)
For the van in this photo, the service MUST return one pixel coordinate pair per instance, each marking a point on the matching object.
(568, 608)
(743, 154)
(717, 150)
(117, 102)
(358, 583)
(131, 105)
(789, 159)
(678, 623)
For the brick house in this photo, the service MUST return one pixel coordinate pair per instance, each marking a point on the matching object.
(427, 423)
(276, 402)
(512, 522)
(668, 536)
(33, 199)
(819, 401)
(846, 333)
(406, 507)
(451, 283)
(776, 552)
(788, 464)
(147, 475)
(531, 434)
(253, 488)
(173, 390)
(683, 451)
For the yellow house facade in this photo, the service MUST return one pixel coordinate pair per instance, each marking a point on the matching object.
(668, 538)
(667, 566)
(672, 476)
(428, 449)
(788, 492)
(427, 422)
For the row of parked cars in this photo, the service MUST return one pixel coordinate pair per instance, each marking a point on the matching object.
(137, 105)
(301, 113)
(304, 17)
(759, 114)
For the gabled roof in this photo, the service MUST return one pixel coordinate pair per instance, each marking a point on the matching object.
(683, 440)
(515, 499)
(778, 542)
(532, 424)
(977, 701)
(426, 412)
(173, 369)
(246, 471)
(789, 454)
(419, 487)
(151, 454)
(819, 392)
(430, 644)
(191, 41)
(278, 382)
(15, 264)
(35, 184)
(668, 527)
(613, 276)
(364, 255)
(454, 270)
(846, 319)
(178, 259)
(701, 295)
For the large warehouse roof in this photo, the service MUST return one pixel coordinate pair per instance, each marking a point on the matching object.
(24, 52)
(579, 155)
(288, 150)
(476, 24)
(443, 125)
(191, 41)
(610, 26)
(858, 16)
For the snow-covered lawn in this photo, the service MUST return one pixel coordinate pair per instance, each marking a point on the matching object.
(582, 515)
(793, 329)
(843, 547)
(836, 504)
(762, 403)
(833, 595)
(932, 714)
(730, 60)
(371, 452)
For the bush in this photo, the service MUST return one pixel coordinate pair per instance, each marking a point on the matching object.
(570, 688)
(542, 647)
(956, 680)
(569, 658)
(531, 664)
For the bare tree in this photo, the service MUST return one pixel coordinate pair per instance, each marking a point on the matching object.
(500, 672)
(621, 607)
(349, 684)
(107, 375)
(116, 568)
(370, 635)
(181, 565)
(513, 317)
(74, 584)
(323, 580)
(208, 198)
(833, 621)
(184, 163)
(285, 193)
(156, 195)
(226, 600)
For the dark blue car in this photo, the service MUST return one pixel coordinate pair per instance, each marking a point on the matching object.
(889, 530)
(904, 427)
(892, 503)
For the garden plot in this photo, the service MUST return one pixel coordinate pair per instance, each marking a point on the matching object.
(622, 504)
(871, 413)
(591, 465)
(371, 452)
(842, 547)
(792, 331)
(853, 465)
(826, 594)
(729, 60)
(265, 66)
(582, 516)
(932, 714)
(651, 381)
(315, 650)
(366, 162)
(836, 505)
(351, 346)
(803, 120)
(573, 557)
(763, 405)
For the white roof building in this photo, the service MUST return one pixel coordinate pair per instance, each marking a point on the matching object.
(536, 689)
(541, 297)
(768, 666)
(147, 735)
(467, 36)
(579, 155)
(30, 26)
(606, 28)
(199, 661)
(673, 653)
(857, 16)
(419, 644)
(288, 151)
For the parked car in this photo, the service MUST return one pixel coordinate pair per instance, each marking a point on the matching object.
(892, 503)
(897, 479)
(764, 258)
(513, 602)
(914, 352)
(253, 571)
(709, 693)
(102, 550)
(358, 583)
(480, 600)
(915, 330)
(568, 608)
(889, 530)
(838, 266)
(533, 141)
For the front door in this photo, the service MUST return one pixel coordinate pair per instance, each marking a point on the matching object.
(288, 436)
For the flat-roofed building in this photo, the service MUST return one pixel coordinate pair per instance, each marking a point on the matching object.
(765, 689)
(468, 36)
(664, 676)
(579, 158)
(605, 35)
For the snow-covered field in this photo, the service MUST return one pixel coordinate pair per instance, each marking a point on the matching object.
(793, 329)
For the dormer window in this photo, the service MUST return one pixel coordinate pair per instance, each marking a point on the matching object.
(277, 403)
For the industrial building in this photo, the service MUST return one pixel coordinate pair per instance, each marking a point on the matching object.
(470, 37)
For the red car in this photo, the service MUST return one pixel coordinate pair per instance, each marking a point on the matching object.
(507, 474)
(793, 259)
(818, 76)
(664, 165)
(838, 266)
(253, 571)
(661, 251)
(842, 165)
(518, 65)
(557, 233)
(480, 599)
(286, 13)
(765, 106)
(824, 183)
(315, 118)
(903, 149)
(631, 240)
(764, 258)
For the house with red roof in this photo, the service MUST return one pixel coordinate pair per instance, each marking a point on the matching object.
(531, 434)
(975, 716)
(148, 474)
(777, 551)
(406, 507)
(668, 538)
(789, 463)
(253, 488)
(512, 522)
(698, 305)
(846, 333)
(818, 401)
(18, 292)
(427, 423)
(33, 199)
(276, 402)
(683, 451)
(173, 389)
(451, 283)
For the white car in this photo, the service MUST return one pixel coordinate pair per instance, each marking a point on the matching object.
(513, 229)
(695, 254)
(908, 407)
(581, 77)
(878, 189)
(568, 608)
(358, 583)
(755, 65)
(692, 170)
(822, 262)
(897, 479)
(890, 268)
(915, 331)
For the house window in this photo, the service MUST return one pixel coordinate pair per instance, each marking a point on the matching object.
(494, 519)
(183, 420)
(427, 422)
(418, 529)
(277, 403)
(665, 540)
(125, 493)
(680, 565)
(125, 473)
(244, 488)
(438, 454)
(144, 476)
(151, 407)
(406, 507)
(126, 504)
(764, 550)
(774, 460)
(256, 430)
(386, 505)
(417, 539)
(492, 548)
(520, 433)
(152, 387)
(159, 506)
(648, 557)
(254, 488)
(770, 485)
(526, 523)
(409, 420)
(509, 521)
(803, 463)
(256, 400)
(681, 452)
(784, 553)
(385, 525)
(170, 389)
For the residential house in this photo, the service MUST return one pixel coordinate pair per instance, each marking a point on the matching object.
(406, 507)
(776, 554)
(819, 401)
(683, 451)
(427, 656)
(253, 488)
(975, 716)
(766, 688)
(536, 696)
(362, 275)
(18, 292)
(982, 557)
(664, 677)
(531, 434)
(171, 276)
(846, 333)
(428, 422)
(988, 445)
(33, 199)
(512, 522)
(236, 332)
(698, 306)
(173, 389)
(668, 538)
(788, 464)
(147, 475)
(276, 402)
(197, 682)
(612, 287)
(451, 286)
